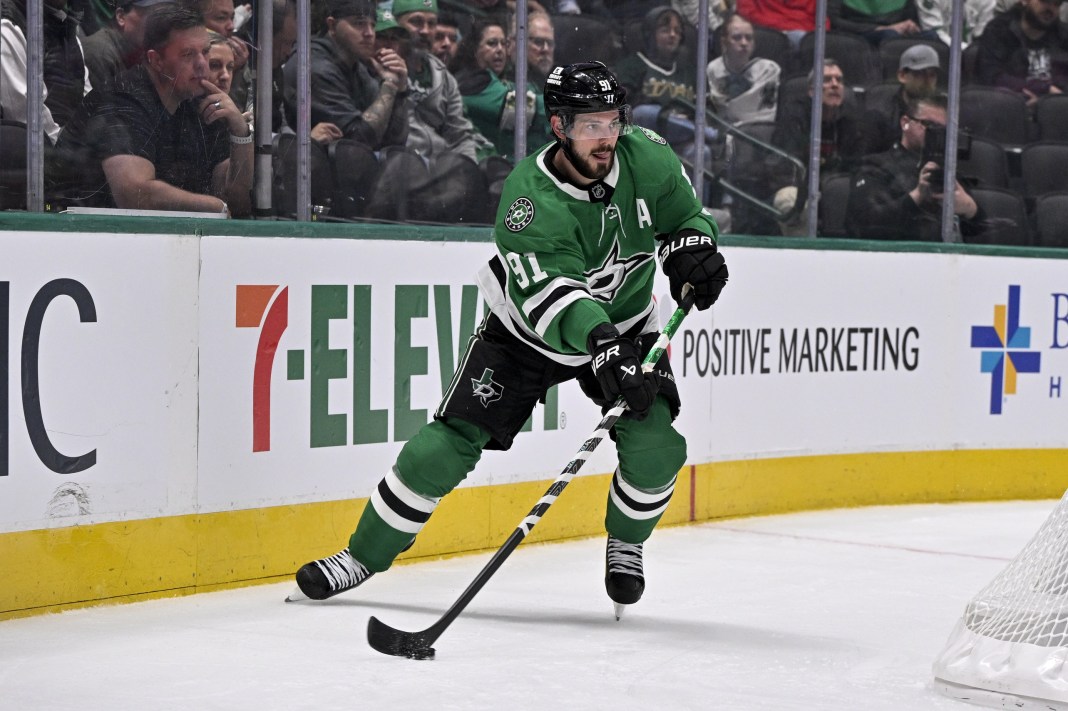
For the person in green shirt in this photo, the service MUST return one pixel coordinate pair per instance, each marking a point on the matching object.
(582, 227)
(489, 96)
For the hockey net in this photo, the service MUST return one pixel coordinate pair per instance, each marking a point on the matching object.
(1010, 647)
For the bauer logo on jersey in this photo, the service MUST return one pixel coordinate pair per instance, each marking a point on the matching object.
(486, 389)
(653, 136)
(519, 214)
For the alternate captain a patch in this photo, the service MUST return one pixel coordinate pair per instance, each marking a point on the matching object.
(519, 214)
(653, 136)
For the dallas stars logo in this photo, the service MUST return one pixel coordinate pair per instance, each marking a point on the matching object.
(653, 136)
(606, 280)
(485, 389)
(519, 214)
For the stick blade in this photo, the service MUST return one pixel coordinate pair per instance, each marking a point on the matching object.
(397, 643)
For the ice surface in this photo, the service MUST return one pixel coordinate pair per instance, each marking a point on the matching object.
(824, 610)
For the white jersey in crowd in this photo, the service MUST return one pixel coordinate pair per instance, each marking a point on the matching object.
(757, 102)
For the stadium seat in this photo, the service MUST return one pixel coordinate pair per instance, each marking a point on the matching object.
(878, 94)
(968, 58)
(996, 114)
(1051, 220)
(1051, 114)
(987, 164)
(834, 196)
(852, 52)
(774, 45)
(1043, 168)
(1006, 214)
(583, 38)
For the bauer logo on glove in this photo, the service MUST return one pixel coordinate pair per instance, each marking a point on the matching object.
(691, 257)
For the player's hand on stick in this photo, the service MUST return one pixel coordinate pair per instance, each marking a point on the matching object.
(618, 367)
(690, 257)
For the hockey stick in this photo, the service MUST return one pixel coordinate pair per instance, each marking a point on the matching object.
(416, 645)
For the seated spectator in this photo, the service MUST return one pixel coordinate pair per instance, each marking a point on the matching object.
(95, 14)
(117, 46)
(917, 73)
(841, 144)
(742, 88)
(446, 38)
(66, 79)
(284, 41)
(354, 87)
(897, 196)
(445, 178)
(161, 136)
(490, 97)
(794, 19)
(363, 91)
(936, 15)
(220, 61)
(877, 20)
(1025, 50)
(541, 45)
(657, 75)
(661, 83)
(219, 17)
(469, 12)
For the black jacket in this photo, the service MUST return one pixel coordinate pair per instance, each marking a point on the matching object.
(880, 207)
(340, 94)
(64, 66)
(1005, 56)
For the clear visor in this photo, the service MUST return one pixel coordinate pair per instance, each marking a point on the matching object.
(597, 126)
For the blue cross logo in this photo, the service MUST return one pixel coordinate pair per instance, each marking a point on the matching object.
(1004, 351)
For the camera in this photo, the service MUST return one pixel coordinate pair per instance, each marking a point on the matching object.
(934, 151)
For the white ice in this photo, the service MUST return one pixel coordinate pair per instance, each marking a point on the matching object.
(823, 610)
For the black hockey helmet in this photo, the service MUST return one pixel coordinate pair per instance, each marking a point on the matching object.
(585, 87)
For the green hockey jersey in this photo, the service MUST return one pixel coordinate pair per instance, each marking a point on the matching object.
(586, 255)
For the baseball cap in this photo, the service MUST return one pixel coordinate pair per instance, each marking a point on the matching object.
(340, 9)
(140, 3)
(384, 21)
(919, 56)
(402, 6)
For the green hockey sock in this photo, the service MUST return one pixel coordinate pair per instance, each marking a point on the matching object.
(651, 452)
(429, 466)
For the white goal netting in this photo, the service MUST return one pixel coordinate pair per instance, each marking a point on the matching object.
(1010, 648)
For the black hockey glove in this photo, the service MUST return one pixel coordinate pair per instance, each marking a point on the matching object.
(691, 258)
(618, 367)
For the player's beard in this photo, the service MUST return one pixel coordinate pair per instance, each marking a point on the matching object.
(585, 167)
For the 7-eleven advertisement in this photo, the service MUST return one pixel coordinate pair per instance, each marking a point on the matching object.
(320, 358)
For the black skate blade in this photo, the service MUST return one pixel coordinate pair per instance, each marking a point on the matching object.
(397, 643)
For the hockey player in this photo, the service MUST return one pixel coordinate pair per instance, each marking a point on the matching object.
(581, 226)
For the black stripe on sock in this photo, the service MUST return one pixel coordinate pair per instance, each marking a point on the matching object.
(399, 507)
(638, 506)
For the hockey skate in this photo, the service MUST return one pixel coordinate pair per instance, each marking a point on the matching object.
(322, 579)
(623, 579)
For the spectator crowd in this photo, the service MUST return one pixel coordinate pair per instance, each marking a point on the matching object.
(414, 107)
